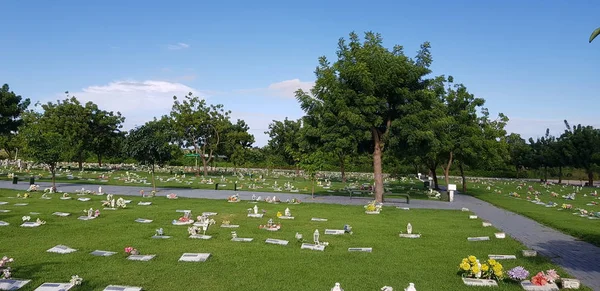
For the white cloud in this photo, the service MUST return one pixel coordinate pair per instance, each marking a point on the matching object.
(137, 101)
(285, 89)
(178, 46)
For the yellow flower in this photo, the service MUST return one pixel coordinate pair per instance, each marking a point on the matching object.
(472, 259)
(492, 262)
(497, 268)
(475, 269)
(465, 266)
(485, 267)
(498, 273)
(465, 260)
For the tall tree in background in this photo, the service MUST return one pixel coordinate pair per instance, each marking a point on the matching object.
(105, 131)
(519, 151)
(43, 141)
(150, 144)
(285, 140)
(237, 143)
(199, 127)
(584, 144)
(370, 84)
(11, 108)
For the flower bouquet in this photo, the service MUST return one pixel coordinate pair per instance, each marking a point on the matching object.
(295, 201)
(518, 273)
(373, 207)
(6, 274)
(234, 198)
(471, 268)
(567, 206)
(543, 279)
(172, 196)
(76, 280)
(131, 251)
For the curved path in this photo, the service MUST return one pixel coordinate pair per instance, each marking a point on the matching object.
(578, 258)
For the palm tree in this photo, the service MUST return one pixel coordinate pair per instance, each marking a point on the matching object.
(594, 34)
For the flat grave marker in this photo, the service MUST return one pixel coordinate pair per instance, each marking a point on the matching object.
(144, 203)
(12, 284)
(242, 239)
(4, 210)
(277, 241)
(334, 231)
(368, 250)
(61, 249)
(480, 282)
(529, 253)
(230, 225)
(30, 224)
(61, 214)
(122, 288)
(21, 204)
(502, 257)
(200, 236)
(100, 253)
(84, 199)
(472, 216)
(86, 217)
(527, 285)
(143, 220)
(3, 202)
(183, 210)
(255, 215)
(194, 257)
(318, 219)
(209, 213)
(143, 258)
(4, 223)
(312, 247)
(478, 238)
(54, 287)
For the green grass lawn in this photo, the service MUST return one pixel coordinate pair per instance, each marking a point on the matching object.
(555, 217)
(269, 183)
(431, 262)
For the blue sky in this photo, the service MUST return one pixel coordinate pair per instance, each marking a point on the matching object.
(529, 59)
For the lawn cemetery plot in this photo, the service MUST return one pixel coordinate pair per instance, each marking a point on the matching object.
(12, 284)
(54, 287)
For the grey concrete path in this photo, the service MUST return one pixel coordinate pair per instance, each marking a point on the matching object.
(578, 258)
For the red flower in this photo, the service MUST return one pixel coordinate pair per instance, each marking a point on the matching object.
(539, 279)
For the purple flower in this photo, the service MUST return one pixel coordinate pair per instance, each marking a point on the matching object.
(518, 273)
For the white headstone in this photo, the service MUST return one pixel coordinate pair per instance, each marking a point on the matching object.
(479, 238)
(368, 250)
(276, 241)
(527, 285)
(480, 282)
(4, 223)
(313, 247)
(144, 203)
(502, 257)
(143, 220)
(318, 219)
(122, 288)
(334, 231)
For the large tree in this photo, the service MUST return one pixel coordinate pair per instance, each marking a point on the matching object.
(105, 131)
(237, 143)
(11, 108)
(150, 144)
(199, 127)
(43, 141)
(520, 153)
(285, 140)
(584, 144)
(371, 85)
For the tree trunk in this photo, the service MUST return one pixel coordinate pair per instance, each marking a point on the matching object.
(343, 168)
(153, 180)
(517, 168)
(590, 178)
(53, 171)
(377, 166)
(464, 179)
(196, 151)
(205, 164)
(80, 162)
(312, 191)
(447, 169)
(545, 174)
(435, 178)
(559, 174)
(297, 170)
(99, 160)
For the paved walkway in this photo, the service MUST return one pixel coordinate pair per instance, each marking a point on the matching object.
(578, 258)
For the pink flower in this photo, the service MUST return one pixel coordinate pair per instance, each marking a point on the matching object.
(551, 275)
(539, 279)
(128, 249)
